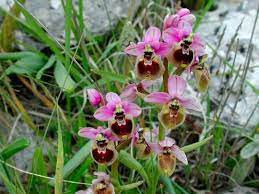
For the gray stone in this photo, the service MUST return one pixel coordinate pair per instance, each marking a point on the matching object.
(100, 16)
(234, 12)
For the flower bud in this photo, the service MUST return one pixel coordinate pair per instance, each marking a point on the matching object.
(95, 98)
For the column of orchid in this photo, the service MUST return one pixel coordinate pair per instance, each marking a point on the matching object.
(185, 50)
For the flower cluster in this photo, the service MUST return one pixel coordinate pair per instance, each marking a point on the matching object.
(185, 51)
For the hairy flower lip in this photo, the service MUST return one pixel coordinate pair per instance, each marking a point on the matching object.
(101, 185)
(122, 131)
(149, 70)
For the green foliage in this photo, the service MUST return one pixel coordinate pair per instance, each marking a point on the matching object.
(13, 148)
(63, 79)
(29, 65)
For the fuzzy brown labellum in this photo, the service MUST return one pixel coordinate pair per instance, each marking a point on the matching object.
(181, 55)
(103, 151)
(172, 114)
(121, 126)
(167, 162)
(202, 74)
(103, 188)
(149, 66)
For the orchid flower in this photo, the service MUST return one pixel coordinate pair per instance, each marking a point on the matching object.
(184, 50)
(95, 97)
(174, 103)
(182, 19)
(131, 91)
(149, 52)
(120, 113)
(201, 74)
(167, 153)
(101, 185)
(141, 137)
(103, 150)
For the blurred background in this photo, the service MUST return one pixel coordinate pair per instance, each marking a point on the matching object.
(44, 42)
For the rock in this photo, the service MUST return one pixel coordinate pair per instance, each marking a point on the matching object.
(100, 16)
(230, 14)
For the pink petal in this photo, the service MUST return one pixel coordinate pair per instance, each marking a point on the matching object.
(88, 132)
(135, 49)
(129, 93)
(174, 35)
(103, 113)
(190, 19)
(102, 176)
(161, 48)
(88, 191)
(171, 21)
(158, 97)
(167, 142)
(198, 45)
(151, 136)
(176, 86)
(110, 136)
(131, 109)
(183, 12)
(153, 34)
(112, 97)
(95, 98)
(190, 104)
(180, 155)
(155, 147)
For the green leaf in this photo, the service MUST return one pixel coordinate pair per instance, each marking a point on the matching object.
(195, 146)
(249, 150)
(127, 160)
(242, 169)
(111, 76)
(11, 188)
(63, 79)
(168, 183)
(60, 164)
(77, 159)
(30, 64)
(130, 186)
(15, 55)
(14, 148)
(38, 167)
(46, 66)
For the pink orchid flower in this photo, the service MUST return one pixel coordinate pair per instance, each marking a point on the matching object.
(131, 91)
(95, 97)
(141, 137)
(100, 185)
(174, 103)
(120, 113)
(103, 150)
(182, 19)
(149, 64)
(167, 153)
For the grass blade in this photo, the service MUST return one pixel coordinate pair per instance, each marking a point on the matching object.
(194, 146)
(60, 163)
(13, 148)
(127, 160)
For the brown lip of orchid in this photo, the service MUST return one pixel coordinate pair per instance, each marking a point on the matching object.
(182, 55)
(202, 74)
(101, 185)
(167, 153)
(103, 149)
(149, 66)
